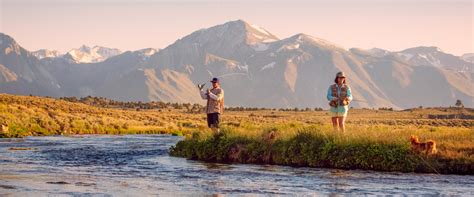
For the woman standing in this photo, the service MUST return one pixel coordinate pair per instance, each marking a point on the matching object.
(339, 96)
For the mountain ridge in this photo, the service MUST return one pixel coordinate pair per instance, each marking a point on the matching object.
(259, 69)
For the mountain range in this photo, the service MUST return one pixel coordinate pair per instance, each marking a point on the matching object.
(257, 69)
(83, 54)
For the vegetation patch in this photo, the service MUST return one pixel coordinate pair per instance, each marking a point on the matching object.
(316, 147)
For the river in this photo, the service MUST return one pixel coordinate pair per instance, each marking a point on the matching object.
(130, 165)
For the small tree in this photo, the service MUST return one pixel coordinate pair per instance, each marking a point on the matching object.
(459, 103)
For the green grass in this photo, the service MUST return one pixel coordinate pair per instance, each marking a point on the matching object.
(380, 148)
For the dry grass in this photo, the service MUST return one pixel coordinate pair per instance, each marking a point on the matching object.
(26, 116)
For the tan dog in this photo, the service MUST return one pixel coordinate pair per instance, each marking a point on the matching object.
(428, 147)
(4, 129)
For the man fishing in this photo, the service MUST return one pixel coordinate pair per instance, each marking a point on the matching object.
(215, 104)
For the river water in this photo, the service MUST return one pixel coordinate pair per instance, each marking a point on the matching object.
(138, 165)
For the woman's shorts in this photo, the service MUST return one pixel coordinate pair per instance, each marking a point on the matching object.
(340, 111)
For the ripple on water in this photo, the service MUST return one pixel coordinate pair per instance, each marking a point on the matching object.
(97, 156)
(140, 165)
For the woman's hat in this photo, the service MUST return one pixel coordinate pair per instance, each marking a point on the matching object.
(215, 80)
(340, 74)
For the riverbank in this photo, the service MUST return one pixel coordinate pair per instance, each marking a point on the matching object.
(379, 149)
(139, 165)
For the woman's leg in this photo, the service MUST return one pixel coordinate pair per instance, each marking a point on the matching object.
(334, 123)
(341, 121)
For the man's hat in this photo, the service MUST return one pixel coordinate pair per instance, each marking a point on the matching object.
(340, 74)
(215, 80)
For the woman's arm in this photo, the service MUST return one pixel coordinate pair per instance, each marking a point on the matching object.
(349, 94)
(329, 95)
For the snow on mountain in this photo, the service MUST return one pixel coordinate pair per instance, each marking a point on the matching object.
(44, 53)
(319, 41)
(291, 46)
(262, 34)
(260, 46)
(258, 34)
(297, 41)
(146, 53)
(434, 56)
(85, 54)
(468, 57)
(374, 52)
(422, 55)
(377, 52)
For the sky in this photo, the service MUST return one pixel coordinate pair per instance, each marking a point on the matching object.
(137, 24)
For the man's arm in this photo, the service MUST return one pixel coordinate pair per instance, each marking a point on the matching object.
(218, 96)
(203, 94)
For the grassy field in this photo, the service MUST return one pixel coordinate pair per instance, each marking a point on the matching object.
(37, 116)
(374, 139)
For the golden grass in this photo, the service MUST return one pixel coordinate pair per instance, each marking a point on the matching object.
(27, 115)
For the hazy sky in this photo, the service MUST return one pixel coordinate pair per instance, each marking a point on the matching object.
(137, 24)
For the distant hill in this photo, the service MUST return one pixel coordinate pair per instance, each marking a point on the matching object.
(22, 73)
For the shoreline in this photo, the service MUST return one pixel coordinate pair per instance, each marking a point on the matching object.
(227, 149)
(310, 149)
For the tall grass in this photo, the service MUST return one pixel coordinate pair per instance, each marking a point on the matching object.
(377, 147)
(37, 116)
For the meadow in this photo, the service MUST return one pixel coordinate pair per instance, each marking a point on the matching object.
(375, 139)
(40, 116)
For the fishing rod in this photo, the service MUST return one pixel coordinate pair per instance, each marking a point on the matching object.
(230, 74)
(201, 86)
(361, 101)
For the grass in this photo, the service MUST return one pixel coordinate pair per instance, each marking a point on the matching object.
(381, 148)
(38, 116)
(374, 139)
